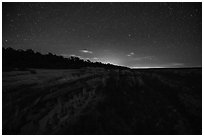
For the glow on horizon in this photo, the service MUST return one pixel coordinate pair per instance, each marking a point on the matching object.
(146, 67)
(109, 60)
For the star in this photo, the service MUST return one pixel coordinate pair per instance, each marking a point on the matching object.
(18, 14)
(119, 28)
(154, 41)
(17, 35)
(148, 35)
(73, 29)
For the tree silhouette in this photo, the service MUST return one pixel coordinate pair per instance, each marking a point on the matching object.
(21, 60)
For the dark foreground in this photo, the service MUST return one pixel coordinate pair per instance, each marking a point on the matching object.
(97, 101)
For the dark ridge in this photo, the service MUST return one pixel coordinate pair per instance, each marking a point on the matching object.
(22, 59)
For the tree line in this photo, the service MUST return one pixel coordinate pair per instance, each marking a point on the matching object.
(23, 59)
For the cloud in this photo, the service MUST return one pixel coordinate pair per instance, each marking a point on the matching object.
(86, 51)
(131, 54)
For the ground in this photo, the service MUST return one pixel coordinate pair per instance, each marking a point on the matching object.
(98, 101)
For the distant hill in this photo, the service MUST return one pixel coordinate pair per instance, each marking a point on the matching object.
(22, 59)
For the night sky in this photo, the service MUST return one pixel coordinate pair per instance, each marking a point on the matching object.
(128, 34)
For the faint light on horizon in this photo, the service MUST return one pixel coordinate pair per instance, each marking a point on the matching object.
(110, 61)
(170, 65)
(95, 58)
(146, 67)
(70, 55)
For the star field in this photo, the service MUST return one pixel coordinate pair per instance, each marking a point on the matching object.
(129, 34)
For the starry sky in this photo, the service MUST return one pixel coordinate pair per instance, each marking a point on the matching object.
(128, 34)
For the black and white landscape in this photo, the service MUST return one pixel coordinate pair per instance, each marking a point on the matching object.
(101, 68)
